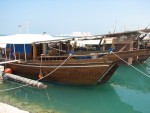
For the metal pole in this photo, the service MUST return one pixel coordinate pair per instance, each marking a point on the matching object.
(25, 53)
(14, 51)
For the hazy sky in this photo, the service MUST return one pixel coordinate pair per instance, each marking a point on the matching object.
(67, 16)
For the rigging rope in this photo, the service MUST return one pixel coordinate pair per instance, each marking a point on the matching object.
(130, 65)
(40, 78)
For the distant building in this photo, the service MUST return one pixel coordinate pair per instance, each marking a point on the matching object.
(76, 34)
(81, 34)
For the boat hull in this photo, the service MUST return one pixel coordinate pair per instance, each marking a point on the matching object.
(70, 73)
(136, 56)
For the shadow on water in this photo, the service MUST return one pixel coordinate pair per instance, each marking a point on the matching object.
(128, 91)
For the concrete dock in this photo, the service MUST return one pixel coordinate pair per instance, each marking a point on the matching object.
(5, 108)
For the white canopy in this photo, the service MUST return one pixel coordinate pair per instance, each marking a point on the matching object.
(83, 43)
(24, 39)
(2, 45)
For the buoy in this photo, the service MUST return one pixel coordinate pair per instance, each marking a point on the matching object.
(24, 80)
(40, 75)
(8, 70)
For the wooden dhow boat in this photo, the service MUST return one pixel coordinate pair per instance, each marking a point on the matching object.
(75, 72)
(84, 69)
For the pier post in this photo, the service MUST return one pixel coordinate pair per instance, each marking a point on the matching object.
(34, 51)
(130, 59)
(44, 48)
(104, 44)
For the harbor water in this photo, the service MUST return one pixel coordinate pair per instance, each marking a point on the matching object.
(128, 91)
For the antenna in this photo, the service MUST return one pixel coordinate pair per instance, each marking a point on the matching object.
(19, 26)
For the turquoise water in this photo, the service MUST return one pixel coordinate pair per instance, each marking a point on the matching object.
(128, 91)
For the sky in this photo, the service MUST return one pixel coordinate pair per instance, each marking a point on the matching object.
(57, 17)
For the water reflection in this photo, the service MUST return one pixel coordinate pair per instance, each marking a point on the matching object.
(73, 99)
(138, 99)
(133, 87)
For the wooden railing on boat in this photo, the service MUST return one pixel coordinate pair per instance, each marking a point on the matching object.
(86, 56)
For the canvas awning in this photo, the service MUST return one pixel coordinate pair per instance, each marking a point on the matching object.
(24, 39)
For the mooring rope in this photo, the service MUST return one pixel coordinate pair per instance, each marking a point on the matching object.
(14, 88)
(40, 78)
(55, 68)
(142, 66)
(130, 65)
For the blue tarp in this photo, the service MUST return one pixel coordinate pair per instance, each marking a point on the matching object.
(19, 48)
